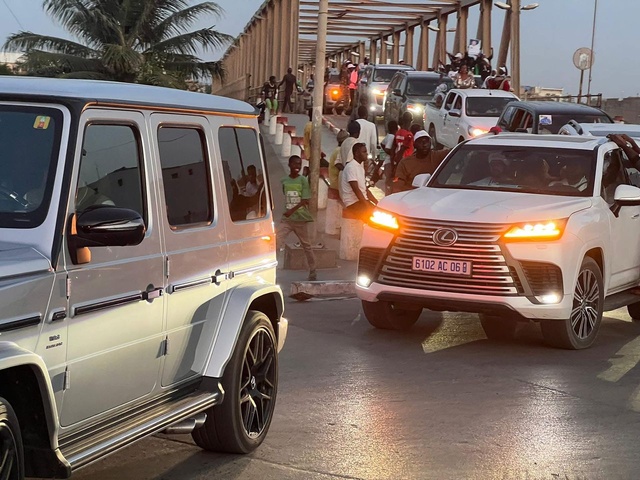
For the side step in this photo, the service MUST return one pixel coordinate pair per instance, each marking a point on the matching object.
(622, 299)
(84, 447)
(186, 426)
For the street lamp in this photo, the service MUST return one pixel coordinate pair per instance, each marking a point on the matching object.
(432, 28)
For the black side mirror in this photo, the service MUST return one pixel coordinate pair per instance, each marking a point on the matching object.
(107, 226)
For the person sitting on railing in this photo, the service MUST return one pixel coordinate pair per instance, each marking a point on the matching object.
(270, 93)
(501, 81)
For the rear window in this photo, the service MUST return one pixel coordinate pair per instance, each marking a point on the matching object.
(486, 106)
(553, 123)
(384, 75)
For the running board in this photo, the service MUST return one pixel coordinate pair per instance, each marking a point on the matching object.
(84, 448)
(619, 300)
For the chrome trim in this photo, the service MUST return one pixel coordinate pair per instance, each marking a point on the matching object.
(257, 268)
(20, 323)
(116, 302)
(192, 284)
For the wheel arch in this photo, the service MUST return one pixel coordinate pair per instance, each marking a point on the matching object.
(598, 255)
(267, 299)
(25, 384)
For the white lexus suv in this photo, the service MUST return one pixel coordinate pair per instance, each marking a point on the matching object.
(541, 228)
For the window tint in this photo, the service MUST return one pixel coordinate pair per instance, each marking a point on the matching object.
(244, 174)
(458, 103)
(506, 118)
(449, 102)
(185, 176)
(110, 168)
(613, 174)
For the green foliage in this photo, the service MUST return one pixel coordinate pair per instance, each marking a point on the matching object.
(143, 41)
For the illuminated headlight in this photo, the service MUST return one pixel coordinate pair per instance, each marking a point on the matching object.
(382, 219)
(363, 281)
(377, 91)
(477, 131)
(550, 298)
(372, 108)
(551, 230)
(415, 108)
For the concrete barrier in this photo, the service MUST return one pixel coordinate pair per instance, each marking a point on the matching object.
(280, 123)
(333, 216)
(350, 238)
(323, 191)
(272, 122)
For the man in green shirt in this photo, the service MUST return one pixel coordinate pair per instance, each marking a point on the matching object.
(296, 216)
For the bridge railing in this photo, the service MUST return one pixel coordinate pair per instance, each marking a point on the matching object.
(594, 100)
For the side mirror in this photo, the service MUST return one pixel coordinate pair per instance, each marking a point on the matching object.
(363, 81)
(421, 180)
(627, 195)
(107, 226)
(454, 113)
(396, 91)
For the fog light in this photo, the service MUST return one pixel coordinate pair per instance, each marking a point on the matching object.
(372, 108)
(550, 298)
(363, 281)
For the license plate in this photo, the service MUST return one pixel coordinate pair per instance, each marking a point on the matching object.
(439, 265)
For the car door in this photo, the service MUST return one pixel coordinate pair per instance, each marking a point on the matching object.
(448, 122)
(115, 329)
(456, 132)
(389, 100)
(194, 239)
(625, 227)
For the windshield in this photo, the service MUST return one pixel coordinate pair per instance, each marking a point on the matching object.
(544, 171)
(553, 123)
(334, 78)
(384, 74)
(425, 87)
(30, 139)
(486, 106)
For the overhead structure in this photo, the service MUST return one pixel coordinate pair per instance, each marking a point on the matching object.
(283, 34)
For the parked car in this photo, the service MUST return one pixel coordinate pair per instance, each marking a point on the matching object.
(373, 84)
(335, 98)
(138, 275)
(599, 129)
(547, 116)
(465, 114)
(514, 227)
(410, 91)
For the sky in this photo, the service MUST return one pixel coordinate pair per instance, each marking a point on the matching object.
(550, 35)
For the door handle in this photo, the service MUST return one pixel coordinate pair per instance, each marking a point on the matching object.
(220, 277)
(152, 293)
(636, 215)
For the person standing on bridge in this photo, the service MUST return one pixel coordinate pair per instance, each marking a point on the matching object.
(358, 200)
(270, 94)
(403, 141)
(368, 132)
(464, 79)
(346, 150)
(353, 85)
(289, 81)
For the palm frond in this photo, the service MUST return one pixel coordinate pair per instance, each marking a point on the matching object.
(192, 42)
(26, 41)
(180, 21)
(36, 60)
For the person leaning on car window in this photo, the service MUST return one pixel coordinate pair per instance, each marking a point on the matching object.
(424, 160)
(628, 146)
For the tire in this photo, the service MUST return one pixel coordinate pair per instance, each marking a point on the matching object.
(339, 110)
(581, 328)
(498, 328)
(251, 386)
(387, 316)
(434, 138)
(11, 449)
(634, 311)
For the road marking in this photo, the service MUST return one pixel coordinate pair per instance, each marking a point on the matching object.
(624, 360)
(453, 332)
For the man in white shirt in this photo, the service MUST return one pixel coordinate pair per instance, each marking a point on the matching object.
(368, 131)
(346, 149)
(355, 195)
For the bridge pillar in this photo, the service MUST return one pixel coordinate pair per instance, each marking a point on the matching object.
(505, 40)
(395, 52)
(383, 49)
(484, 26)
(373, 50)
(461, 29)
(408, 46)
(423, 48)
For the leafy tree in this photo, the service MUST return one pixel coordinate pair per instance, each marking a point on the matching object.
(144, 41)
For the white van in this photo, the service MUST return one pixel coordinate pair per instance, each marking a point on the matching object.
(137, 263)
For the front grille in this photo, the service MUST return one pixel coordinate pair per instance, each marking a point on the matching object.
(379, 99)
(369, 260)
(543, 278)
(477, 243)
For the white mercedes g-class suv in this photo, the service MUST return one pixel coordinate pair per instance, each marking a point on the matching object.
(137, 270)
(542, 228)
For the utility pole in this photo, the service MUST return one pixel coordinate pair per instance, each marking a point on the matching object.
(593, 36)
(318, 92)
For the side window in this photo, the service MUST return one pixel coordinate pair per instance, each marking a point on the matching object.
(527, 122)
(393, 83)
(457, 105)
(613, 174)
(244, 173)
(449, 101)
(185, 175)
(516, 120)
(111, 168)
(403, 84)
(632, 171)
(506, 118)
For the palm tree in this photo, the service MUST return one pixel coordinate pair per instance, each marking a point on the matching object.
(144, 41)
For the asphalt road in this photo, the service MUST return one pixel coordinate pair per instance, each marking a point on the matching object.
(437, 402)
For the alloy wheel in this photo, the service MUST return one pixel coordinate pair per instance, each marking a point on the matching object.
(257, 383)
(9, 462)
(584, 315)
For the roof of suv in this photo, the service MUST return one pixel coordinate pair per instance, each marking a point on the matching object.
(552, 107)
(422, 74)
(545, 141)
(101, 92)
(599, 129)
(393, 66)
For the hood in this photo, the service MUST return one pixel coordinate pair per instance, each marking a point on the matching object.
(482, 206)
(423, 99)
(483, 122)
(18, 260)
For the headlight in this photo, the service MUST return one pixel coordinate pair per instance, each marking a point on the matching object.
(551, 230)
(477, 131)
(377, 91)
(382, 219)
(335, 93)
(415, 107)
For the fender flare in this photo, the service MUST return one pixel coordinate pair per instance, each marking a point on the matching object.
(12, 355)
(236, 308)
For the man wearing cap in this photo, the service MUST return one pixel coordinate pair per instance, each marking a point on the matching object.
(353, 85)
(424, 160)
(498, 171)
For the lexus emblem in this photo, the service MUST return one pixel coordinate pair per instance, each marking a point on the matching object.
(445, 237)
